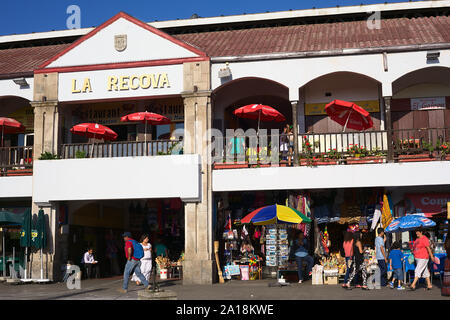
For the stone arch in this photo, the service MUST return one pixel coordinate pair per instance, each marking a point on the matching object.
(248, 90)
(429, 75)
(343, 85)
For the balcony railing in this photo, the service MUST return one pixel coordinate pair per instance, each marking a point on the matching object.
(121, 149)
(338, 148)
(15, 161)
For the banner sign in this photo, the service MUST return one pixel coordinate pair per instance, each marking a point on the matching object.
(426, 203)
(428, 103)
(318, 109)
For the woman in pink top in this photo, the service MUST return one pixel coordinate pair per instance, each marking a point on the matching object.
(348, 250)
(422, 253)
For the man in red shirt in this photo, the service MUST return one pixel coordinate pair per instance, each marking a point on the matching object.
(133, 263)
(422, 254)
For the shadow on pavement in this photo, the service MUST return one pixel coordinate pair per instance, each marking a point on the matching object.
(73, 294)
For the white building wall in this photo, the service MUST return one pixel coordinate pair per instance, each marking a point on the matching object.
(142, 45)
(9, 88)
(117, 178)
(350, 176)
(16, 187)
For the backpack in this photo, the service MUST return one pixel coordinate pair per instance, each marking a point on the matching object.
(411, 259)
(138, 250)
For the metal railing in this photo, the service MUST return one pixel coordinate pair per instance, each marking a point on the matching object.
(121, 149)
(339, 146)
(16, 160)
(343, 141)
(431, 141)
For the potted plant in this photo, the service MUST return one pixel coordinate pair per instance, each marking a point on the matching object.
(80, 154)
(48, 156)
(444, 150)
(306, 158)
(356, 153)
(416, 155)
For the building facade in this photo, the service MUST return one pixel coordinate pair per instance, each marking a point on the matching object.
(197, 72)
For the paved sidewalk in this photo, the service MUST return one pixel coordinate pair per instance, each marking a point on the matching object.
(108, 289)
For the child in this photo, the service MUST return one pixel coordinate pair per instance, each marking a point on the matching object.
(396, 264)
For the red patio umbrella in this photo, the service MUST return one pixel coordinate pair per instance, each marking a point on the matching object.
(147, 118)
(259, 112)
(10, 125)
(94, 130)
(349, 115)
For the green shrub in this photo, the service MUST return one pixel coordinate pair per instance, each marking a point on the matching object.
(48, 156)
(80, 154)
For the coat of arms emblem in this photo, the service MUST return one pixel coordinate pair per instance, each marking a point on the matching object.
(120, 42)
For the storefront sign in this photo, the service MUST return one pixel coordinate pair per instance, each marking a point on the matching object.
(104, 113)
(121, 83)
(427, 204)
(318, 109)
(170, 108)
(428, 103)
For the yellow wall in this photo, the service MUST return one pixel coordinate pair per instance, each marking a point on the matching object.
(314, 109)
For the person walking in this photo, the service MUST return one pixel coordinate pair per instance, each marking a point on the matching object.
(301, 254)
(133, 252)
(422, 253)
(359, 263)
(396, 265)
(348, 252)
(146, 261)
(381, 255)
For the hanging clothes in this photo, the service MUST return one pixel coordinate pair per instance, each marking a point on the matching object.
(307, 207)
(376, 217)
(386, 213)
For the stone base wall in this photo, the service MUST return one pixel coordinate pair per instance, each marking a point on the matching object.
(198, 272)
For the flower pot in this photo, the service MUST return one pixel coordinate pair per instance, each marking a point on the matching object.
(283, 163)
(365, 160)
(325, 162)
(305, 162)
(230, 165)
(163, 274)
(19, 172)
(415, 157)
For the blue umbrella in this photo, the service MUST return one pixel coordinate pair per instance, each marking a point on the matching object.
(409, 223)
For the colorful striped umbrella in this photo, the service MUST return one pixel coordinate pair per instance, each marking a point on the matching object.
(275, 214)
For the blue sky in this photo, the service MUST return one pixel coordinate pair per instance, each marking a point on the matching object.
(28, 16)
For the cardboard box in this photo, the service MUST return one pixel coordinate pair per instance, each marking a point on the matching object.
(331, 280)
